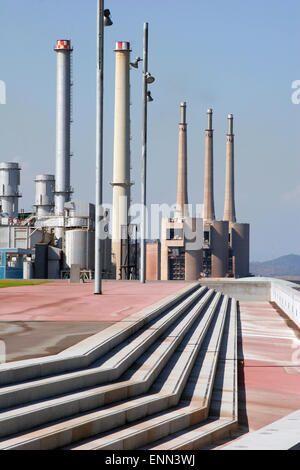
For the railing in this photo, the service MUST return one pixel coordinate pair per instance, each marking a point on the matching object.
(288, 299)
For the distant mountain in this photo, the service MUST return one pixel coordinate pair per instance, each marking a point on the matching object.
(288, 265)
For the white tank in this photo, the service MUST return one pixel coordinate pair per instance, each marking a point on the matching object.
(9, 189)
(44, 195)
(80, 248)
(27, 270)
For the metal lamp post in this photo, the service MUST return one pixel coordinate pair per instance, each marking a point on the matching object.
(147, 78)
(103, 19)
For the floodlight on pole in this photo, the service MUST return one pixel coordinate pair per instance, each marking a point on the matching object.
(103, 19)
(149, 97)
(135, 64)
(107, 19)
(149, 78)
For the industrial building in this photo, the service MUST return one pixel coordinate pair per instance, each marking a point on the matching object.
(60, 233)
(225, 244)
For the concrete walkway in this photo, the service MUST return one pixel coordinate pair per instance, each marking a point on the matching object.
(62, 301)
(281, 435)
(42, 320)
(269, 371)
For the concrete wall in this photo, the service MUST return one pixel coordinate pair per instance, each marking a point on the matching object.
(285, 296)
(153, 261)
(243, 291)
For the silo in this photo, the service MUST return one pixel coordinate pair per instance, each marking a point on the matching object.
(80, 248)
(44, 195)
(219, 242)
(9, 189)
(240, 239)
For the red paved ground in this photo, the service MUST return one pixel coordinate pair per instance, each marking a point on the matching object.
(61, 301)
(271, 369)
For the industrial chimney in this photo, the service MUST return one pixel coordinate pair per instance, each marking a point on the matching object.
(63, 125)
(121, 176)
(209, 209)
(182, 196)
(229, 209)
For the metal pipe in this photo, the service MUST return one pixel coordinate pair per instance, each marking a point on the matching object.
(99, 147)
(144, 156)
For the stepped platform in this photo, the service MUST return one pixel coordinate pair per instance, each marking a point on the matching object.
(191, 369)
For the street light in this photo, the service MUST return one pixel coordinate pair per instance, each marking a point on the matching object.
(147, 79)
(107, 19)
(147, 98)
(103, 19)
(135, 64)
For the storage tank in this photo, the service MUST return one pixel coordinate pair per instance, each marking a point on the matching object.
(44, 195)
(9, 189)
(219, 248)
(80, 248)
(240, 241)
(27, 270)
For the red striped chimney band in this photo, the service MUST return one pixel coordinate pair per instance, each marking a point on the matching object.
(122, 46)
(63, 44)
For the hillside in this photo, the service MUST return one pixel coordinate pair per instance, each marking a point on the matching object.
(288, 265)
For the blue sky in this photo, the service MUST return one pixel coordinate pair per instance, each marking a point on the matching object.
(236, 57)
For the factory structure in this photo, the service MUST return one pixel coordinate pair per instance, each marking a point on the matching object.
(59, 235)
(60, 232)
(224, 250)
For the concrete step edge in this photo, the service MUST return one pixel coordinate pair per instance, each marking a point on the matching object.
(15, 394)
(214, 428)
(178, 418)
(25, 417)
(105, 420)
(84, 352)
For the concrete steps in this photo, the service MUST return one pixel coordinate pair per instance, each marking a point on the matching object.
(195, 399)
(222, 421)
(110, 367)
(161, 380)
(89, 350)
(135, 381)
